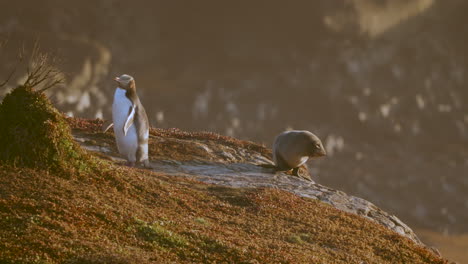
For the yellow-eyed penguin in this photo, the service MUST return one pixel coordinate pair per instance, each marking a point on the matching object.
(293, 148)
(131, 127)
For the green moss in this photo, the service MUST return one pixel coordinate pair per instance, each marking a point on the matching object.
(207, 249)
(101, 258)
(214, 246)
(34, 134)
(158, 235)
(299, 239)
(202, 221)
(295, 239)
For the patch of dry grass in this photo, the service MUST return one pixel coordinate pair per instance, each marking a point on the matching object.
(174, 144)
(95, 126)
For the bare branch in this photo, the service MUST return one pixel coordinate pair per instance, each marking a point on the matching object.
(40, 70)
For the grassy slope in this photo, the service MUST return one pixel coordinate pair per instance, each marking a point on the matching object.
(123, 215)
(59, 204)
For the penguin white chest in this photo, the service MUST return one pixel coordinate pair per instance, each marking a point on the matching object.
(127, 144)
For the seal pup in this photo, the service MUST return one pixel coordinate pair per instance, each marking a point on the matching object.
(131, 127)
(291, 149)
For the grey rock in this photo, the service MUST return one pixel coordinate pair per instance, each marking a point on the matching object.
(239, 168)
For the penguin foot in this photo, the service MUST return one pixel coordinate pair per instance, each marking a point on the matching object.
(145, 163)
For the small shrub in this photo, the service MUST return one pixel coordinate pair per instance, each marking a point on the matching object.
(34, 134)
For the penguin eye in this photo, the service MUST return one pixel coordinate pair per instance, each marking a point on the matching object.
(317, 145)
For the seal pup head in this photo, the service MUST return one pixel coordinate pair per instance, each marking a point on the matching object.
(314, 146)
(126, 82)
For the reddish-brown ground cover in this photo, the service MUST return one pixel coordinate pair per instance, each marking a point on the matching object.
(124, 215)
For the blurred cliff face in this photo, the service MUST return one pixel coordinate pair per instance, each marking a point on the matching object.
(383, 83)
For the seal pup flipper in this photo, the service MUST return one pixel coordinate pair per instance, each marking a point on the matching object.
(130, 118)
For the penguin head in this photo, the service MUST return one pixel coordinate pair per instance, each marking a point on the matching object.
(314, 146)
(125, 82)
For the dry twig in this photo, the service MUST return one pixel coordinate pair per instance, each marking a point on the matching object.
(40, 69)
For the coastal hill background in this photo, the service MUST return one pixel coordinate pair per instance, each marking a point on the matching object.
(382, 83)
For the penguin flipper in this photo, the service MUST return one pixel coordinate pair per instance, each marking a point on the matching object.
(130, 118)
(105, 128)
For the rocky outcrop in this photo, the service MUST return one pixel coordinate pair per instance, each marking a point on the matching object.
(226, 161)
